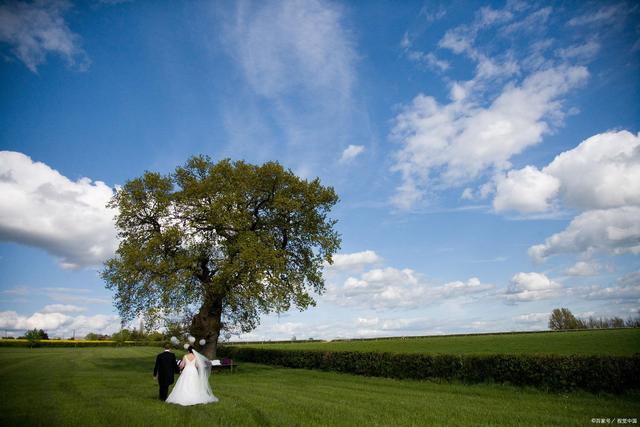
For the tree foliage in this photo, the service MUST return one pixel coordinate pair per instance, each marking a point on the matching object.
(35, 335)
(220, 243)
(562, 318)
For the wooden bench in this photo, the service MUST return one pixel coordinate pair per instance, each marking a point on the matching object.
(226, 363)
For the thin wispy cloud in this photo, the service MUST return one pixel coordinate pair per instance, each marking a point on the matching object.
(299, 58)
(351, 152)
(35, 30)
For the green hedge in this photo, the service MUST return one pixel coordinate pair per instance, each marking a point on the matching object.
(551, 372)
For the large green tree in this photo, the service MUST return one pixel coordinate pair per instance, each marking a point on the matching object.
(220, 243)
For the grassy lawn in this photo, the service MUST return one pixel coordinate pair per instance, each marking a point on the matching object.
(613, 342)
(114, 387)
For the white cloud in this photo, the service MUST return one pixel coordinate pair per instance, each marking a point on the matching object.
(614, 231)
(428, 59)
(584, 51)
(525, 190)
(459, 289)
(351, 152)
(396, 324)
(626, 288)
(461, 39)
(42, 208)
(449, 145)
(431, 14)
(302, 331)
(612, 160)
(58, 324)
(531, 23)
(531, 287)
(601, 176)
(354, 260)
(17, 291)
(47, 321)
(389, 288)
(62, 308)
(605, 15)
(77, 299)
(300, 58)
(285, 46)
(532, 318)
(583, 268)
(36, 29)
(384, 288)
(513, 100)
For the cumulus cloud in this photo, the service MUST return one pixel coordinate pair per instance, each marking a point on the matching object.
(601, 177)
(59, 324)
(35, 29)
(531, 287)
(531, 318)
(47, 321)
(375, 324)
(389, 288)
(351, 152)
(613, 231)
(515, 98)
(525, 190)
(354, 260)
(449, 145)
(583, 268)
(301, 330)
(459, 289)
(40, 207)
(612, 160)
(626, 288)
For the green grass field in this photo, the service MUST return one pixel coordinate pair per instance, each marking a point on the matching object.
(613, 342)
(114, 387)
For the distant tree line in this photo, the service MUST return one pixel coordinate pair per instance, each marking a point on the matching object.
(35, 334)
(562, 318)
(175, 328)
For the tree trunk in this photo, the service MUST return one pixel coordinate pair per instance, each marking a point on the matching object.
(207, 323)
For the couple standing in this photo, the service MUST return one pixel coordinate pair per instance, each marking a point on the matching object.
(192, 387)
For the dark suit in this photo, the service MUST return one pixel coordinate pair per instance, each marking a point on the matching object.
(166, 366)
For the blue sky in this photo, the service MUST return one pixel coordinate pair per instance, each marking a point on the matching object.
(486, 154)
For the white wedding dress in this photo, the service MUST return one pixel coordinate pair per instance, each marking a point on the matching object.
(192, 387)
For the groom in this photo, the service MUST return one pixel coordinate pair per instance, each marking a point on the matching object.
(166, 366)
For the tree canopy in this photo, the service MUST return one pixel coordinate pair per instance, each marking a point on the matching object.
(562, 318)
(219, 244)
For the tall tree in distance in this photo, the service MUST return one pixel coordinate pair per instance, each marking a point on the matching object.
(220, 244)
(562, 318)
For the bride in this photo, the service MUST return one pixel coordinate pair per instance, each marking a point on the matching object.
(192, 386)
